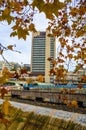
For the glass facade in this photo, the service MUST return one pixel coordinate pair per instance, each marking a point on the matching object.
(40, 51)
(38, 54)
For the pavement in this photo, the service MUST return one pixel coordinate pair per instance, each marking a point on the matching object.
(75, 117)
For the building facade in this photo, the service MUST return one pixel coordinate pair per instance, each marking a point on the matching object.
(10, 65)
(43, 47)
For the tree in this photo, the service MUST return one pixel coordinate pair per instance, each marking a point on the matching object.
(40, 78)
(83, 78)
(3, 92)
(16, 75)
(30, 81)
(5, 75)
(23, 70)
(6, 72)
(66, 22)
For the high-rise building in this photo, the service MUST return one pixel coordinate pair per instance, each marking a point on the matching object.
(43, 47)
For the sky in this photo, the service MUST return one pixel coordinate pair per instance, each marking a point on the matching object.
(21, 45)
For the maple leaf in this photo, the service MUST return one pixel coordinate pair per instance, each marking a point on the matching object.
(84, 61)
(82, 10)
(60, 60)
(10, 47)
(3, 92)
(40, 78)
(6, 105)
(25, 2)
(59, 97)
(60, 53)
(45, 9)
(54, 62)
(5, 121)
(1, 52)
(32, 27)
(13, 34)
(49, 59)
(74, 12)
(70, 56)
(67, 31)
(72, 91)
(79, 86)
(6, 13)
(74, 103)
(15, 27)
(65, 101)
(57, 5)
(52, 72)
(38, 3)
(1, 115)
(22, 33)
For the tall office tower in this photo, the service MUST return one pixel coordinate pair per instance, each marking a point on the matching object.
(43, 47)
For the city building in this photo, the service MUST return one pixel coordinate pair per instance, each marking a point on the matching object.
(27, 66)
(10, 65)
(43, 47)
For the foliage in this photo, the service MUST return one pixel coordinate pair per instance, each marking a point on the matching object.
(66, 22)
(17, 119)
(5, 75)
(83, 78)
(23, 70)
(3, 80)
(6, 72)
(30, 81)
(40, 78)
(5, 107)
(16, 75)
(58, 71)
(3, 92)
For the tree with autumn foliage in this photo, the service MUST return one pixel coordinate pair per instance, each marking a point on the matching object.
(66, 22)
(5, 75)
(83, 78)
(30, 80)
(16, 75)
(40, 78)
(3, 79)
(6, 72)
(23, 70)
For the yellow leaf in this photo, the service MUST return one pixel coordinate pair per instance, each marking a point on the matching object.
(13, 34)
(6, 105)
(38, 3)
(74, 103)
(22, 33)
(70, 56)
(1, 52)
(31, 27)
(10, 47)
(25, 2)
(40, 78)
(47, 9)
(6, 12)
(74, 11)
(54, 62)
(56, 6)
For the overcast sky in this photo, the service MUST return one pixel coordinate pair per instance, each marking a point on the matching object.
(23, 46)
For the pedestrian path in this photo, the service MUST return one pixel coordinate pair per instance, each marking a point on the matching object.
(75, 117)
